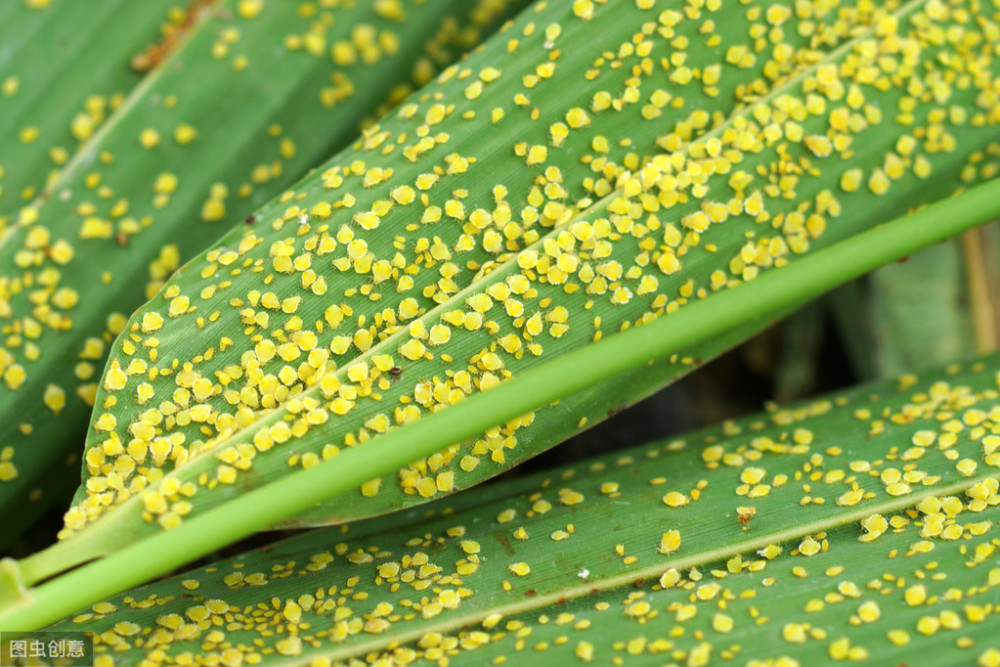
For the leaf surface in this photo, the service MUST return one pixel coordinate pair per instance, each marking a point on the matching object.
(530, 208)
(866, 533)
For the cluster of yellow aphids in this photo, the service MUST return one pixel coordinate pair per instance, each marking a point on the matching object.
(107, 185)
(552, 187)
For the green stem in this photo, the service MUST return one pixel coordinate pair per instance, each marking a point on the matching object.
(255, 510)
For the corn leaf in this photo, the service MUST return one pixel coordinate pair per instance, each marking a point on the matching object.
(855, 526)
(929, 289)
(45, 110)
(527, 216)
(254, 95)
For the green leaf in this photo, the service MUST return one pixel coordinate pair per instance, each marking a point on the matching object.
(919, 311)
(255, 95)
(499, 242)
(869, 519)
(56, 88)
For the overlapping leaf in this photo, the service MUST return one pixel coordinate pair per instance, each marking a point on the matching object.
(503, 215)
(254, 95)
(858, 526)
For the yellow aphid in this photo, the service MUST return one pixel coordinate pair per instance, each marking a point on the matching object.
(915, 595)
(878, 182)
(249, 9)
(577, 118)
(849, 498)
(185, 134)
(670, 542)
(367, 220)
(149, 138)
(676, 499)
(809, 547)
(151, 321)
(520, 569)
(537, 155)
(115, 379)
(874, 526)
(55, 398)
(412, 349)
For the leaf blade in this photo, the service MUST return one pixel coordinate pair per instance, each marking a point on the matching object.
(844, 437)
